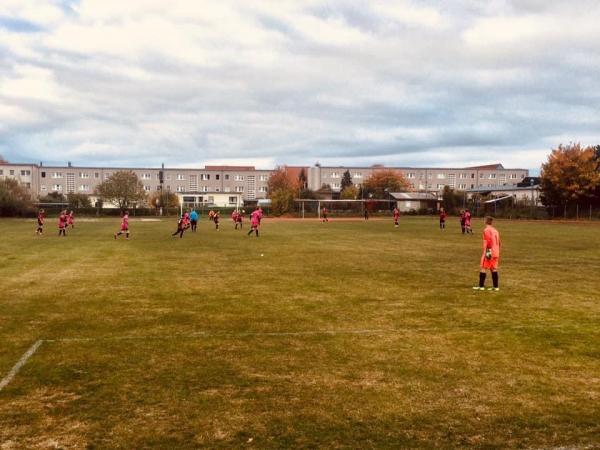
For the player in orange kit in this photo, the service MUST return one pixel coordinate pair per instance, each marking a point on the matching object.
(490, 256)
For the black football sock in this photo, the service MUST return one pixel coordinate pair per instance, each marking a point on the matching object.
(481, 279)
(495, 279)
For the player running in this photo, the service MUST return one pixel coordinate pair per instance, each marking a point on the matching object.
(254, 222)
(324, 214)
(443, 216)
(71, 219)
(62, 223)
(216, 219)
(194, 220)
(41, 217)
(490, 256)
(396, 217)
(182, 224)
(124, 226)
(468, 228)
(237, 218)
(462, 221)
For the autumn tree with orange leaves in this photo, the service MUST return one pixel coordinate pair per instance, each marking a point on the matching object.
(384, 180)
(571, 175)
(282, 188)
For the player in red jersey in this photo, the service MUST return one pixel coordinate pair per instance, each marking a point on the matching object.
(41, 217)
(443, 216)
(71, 219)
(468, 228)
(462, 221)
(216, 219)
(260, 214)
(62, 223)
(124, 225)
(182, 225)
(254, 222)
(396, 216)
(491, 255)
(324, 213)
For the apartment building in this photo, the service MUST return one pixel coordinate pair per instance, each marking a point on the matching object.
(429, 179)
(249, 182)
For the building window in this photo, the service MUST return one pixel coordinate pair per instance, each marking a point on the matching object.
(217, 177)
(233, 201)
(107, 175)
(204, 189)
(180, 177)
(227, 189)
(57, 175)
(462, 175)
(335, 175)
(84, 187)
(145, 176)
(262, 189)
(440, 176)
(147, 188)
(1, 172)
(411, 175)
(42, 187)
(481, 175)
(263, 178)
(96, 175)
(440, 186)
(239, 178)
(57, 187)
(25, 173)
(472, 175)
(227, 176)
(335, 185)
(84, 175)
(239, 189)
(462, 186)
(12, 172)
(492, 176)
(358, 175)
(180, 188)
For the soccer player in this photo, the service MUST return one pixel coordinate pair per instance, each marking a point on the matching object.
(254, 222)
(40, 220)
(490, 256)
(468, 228)
(211, 215)
(443, 216)
(396, 216)
(71, 219)
(181, 226)
(462, 221)
(194, 220)
(324, 214)
(260, 214)
(62, 223)
(239, 220)
(124, 226)
(216, 218)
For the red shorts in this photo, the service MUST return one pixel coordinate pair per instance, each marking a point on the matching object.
(491, 264)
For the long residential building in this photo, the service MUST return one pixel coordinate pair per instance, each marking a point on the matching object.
(248, 181)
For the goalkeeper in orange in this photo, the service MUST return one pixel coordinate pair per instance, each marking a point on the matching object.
(490, 256)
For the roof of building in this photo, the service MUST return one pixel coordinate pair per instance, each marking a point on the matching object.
(414, 195)
(496, 166)
(504, 188)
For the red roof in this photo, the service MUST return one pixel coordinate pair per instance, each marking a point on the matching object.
(232, 168)
(496, 166)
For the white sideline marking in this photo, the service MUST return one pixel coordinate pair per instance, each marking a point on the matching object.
(20, 363)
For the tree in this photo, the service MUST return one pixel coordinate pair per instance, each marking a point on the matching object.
(14, 198)
(452, 200)
(302, 180)
(53, 197)
(350, 193)
(281, 190)
(570, 175)
(122, 189)
(78, 201)
(156, 199)
(2, 160)
(346, 180)
(385, 180)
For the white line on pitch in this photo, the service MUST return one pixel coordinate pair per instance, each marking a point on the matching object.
(20, 363)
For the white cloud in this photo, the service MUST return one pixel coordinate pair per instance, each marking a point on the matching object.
(184, 81)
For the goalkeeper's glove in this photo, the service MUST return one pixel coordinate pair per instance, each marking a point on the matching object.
(488, 253)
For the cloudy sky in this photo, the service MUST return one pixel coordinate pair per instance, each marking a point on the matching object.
(189, 82)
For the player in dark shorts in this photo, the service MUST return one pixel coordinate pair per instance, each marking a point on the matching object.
(182, 225)
(216, 219)
(443, 216)
(62, 223)
(324, 213)
(124, 226)
(40, 221)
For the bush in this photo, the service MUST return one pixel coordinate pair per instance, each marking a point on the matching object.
(15, 200)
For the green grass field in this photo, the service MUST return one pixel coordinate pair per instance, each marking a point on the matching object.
(346, 334)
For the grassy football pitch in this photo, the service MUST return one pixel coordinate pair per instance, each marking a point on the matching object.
(347, 334)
